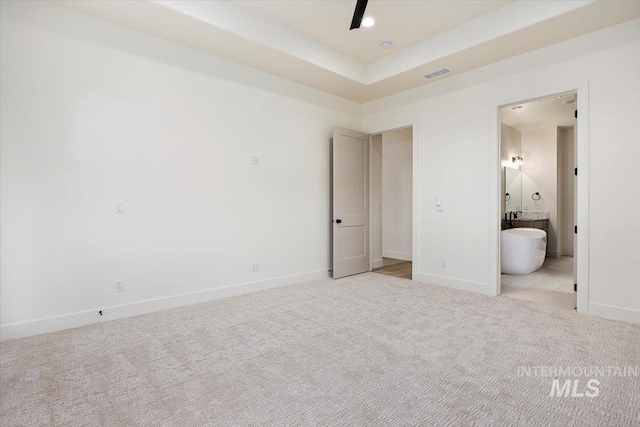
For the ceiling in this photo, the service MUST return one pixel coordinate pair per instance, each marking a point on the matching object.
(308, 42)
(327, 22)
(547, 112)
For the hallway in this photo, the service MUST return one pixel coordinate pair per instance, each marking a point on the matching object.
(395, 267)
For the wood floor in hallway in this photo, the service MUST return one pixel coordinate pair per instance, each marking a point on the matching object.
(395, 268)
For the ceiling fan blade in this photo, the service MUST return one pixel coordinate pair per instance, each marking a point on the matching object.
(361, 5)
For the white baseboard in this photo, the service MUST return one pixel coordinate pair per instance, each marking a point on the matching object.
(464, 285)
(554, 254)
(84, 318)
(397, 255)
(377, 263)
(614, 313)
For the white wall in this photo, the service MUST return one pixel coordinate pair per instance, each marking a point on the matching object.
(540, 174)
(568, 220)
(397, 192)
(376, 201)
(456, 133)
(510, 146)
(92, 114)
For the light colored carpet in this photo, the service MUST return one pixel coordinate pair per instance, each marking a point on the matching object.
(365, 350)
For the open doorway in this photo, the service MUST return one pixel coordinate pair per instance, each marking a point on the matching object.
(358, 244)
(538, 208)
(392, 202)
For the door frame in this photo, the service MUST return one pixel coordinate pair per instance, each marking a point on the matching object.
(390, 126)
(581, 257)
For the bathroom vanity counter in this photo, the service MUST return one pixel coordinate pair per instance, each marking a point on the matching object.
(533, 216)
(542, 224)
(528, 219)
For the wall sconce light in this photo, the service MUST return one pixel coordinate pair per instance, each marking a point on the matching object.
(517, 161)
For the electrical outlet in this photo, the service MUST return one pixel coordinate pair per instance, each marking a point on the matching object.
(443, 263)
(254, 160)
(120, 285)
(255, 266)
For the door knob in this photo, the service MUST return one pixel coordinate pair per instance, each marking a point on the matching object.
(338, 221)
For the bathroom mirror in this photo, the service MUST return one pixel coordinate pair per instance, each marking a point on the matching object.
(513, 189)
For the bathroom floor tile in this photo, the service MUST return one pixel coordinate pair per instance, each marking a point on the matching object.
(552, 284)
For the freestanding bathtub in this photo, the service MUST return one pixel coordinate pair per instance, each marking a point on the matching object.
(522, 250)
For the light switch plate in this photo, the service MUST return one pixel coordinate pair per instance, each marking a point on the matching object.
(119, 207)
(440, 207)
(120, 285)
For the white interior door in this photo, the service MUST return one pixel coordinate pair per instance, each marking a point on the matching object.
(350, 202)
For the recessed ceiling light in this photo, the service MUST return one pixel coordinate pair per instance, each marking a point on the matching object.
(368, 22)
(517, 107)
(386, 45)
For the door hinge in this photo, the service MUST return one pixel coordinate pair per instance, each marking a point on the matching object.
(576, 114)
(575, 229)
(576, 171)
(575, 287)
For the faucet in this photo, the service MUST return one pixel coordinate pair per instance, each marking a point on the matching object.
(508, 218)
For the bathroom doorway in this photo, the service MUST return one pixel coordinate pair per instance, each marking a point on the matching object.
(392, 202)
(539, 200)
